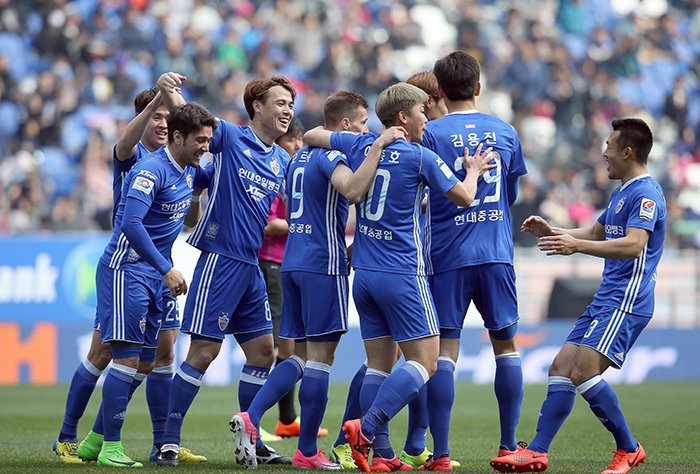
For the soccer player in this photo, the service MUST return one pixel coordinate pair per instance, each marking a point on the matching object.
(228, 289)
(435, 107)
(157, 194)
(390, 288)
(315, 277)
(144, 134)
(270, 257)
(414, 453)
(471, 252)
(629, 235)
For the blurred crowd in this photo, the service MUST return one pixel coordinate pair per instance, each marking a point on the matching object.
(558, 70)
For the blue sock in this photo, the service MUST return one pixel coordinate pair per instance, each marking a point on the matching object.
(116, 392)
(158, 385)
(508, 386)
(278, 383)
(397, 390)
(604, 404)
(368, 393)
(352, 404)
(252, 380)
(556, 407)
(417, 423)
(184, 388)
(441, 397)
(98, 427)
(313, 398)
(81, 388)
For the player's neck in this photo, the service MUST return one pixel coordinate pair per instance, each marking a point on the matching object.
(265, 135)
(177, 155)
(460, 105)
(633, 173)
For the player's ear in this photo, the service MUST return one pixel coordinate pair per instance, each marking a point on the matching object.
(345, 123)
(477, 91)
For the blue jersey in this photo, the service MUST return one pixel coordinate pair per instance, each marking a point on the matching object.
(159, 182)
(628, 284)
(119, 171)
(317, 214)
(246, 177)
(481, 233)
(389, 235)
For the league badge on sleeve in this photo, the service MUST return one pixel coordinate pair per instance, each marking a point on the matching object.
(647, 209)
(144, 185)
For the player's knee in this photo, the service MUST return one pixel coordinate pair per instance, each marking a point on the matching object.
(165, 356)
(558, 370)
(100, 357)
(145, 367)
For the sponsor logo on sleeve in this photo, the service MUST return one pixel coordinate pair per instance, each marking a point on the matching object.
(143, 184)
(647, 209)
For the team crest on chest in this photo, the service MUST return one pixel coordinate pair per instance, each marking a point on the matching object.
(223, 320)
(189, 180)
(275, 165)
(619, 205)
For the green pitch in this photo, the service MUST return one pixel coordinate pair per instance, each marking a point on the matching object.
(664, 417)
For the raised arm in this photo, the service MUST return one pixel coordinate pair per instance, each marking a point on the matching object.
(126, 145)
(169, 84)
(355, 185)
(318, 137)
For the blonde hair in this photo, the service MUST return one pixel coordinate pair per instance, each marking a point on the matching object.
(400, 97)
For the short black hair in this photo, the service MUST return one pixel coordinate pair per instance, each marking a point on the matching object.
(458, 75)
(144, 98)
(636, 134)
(189, 118)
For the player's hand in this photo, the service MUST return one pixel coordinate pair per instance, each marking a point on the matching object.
(176, 282)
(349, 253)
(537, 226)
(390, 135)
(171, 81)
(480, 163)
(561, 244)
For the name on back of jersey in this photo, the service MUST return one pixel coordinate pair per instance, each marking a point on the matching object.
(300, 228)
(391, 159)
(483, 215)
(473, 138)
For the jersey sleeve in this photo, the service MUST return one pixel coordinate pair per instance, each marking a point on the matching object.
(123, 166)
(329, 160)
(202, 176)
(603, 215)
(217, 140)
(144, 183)
(344, 141)
(517, 165)
(644, 210)
(435, 173)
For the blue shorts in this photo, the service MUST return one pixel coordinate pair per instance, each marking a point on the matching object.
(129, 306)
(226, 296)
(490, 286)
(313, 304)
(608, 330)
(396, 305)
(169, 319)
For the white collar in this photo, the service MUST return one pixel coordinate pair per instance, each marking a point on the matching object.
(172, 160)
(265, 146)
(470, 111)
(644, 175)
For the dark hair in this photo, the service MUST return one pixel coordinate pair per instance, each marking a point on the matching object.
(636, 134)
(189, 118)
(295, 128)
(457, 75)
(340, 105)
(144, 98)
(425, 80)
(257, 90)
